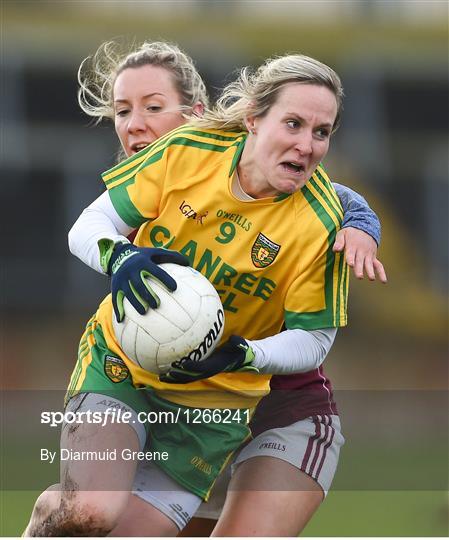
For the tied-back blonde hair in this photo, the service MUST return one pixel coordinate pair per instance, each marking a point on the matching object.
(253, 93)
(98, 73)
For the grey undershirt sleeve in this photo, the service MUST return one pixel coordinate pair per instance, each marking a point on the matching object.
(292, 351)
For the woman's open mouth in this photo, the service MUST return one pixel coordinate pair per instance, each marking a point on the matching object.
(293, 167)
(137, 147)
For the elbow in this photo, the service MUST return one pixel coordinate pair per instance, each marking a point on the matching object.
(76, 237)
(73, 238)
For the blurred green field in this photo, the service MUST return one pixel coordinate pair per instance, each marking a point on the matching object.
(344, 513)
(382, 513)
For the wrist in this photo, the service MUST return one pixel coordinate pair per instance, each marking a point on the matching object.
(258, 353)
(108, 248)
(246, 361)
(367, 226)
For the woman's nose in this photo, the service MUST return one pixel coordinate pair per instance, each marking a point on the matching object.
(136, 122)
(304, 143)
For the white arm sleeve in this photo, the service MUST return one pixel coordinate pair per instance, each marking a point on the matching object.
(99, 220)
(292, 351)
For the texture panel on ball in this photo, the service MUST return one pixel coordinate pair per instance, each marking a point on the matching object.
(126, 332)
(129, 335)
(201, 286)
(175, 306)
(159, 326)
(147, 349)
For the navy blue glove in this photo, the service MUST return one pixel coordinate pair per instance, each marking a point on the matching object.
(129, 266)
(234, 355)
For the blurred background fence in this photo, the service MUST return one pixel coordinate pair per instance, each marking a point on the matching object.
(392, 147)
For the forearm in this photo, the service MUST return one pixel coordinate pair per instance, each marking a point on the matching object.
(357, 212)
(292, 351)
(99, 220)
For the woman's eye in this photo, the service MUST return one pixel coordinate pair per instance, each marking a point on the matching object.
(122, 112)
(293, 124)
(154, 108)
(323, 133)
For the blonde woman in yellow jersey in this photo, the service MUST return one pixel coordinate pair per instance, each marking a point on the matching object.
(128, 138)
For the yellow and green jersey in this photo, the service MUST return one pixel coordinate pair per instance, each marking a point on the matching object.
(270, 259)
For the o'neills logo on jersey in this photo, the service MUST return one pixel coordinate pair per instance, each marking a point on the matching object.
(264, 251)
(115, 369)
(208, 342)
(190, 213)
(273, 446)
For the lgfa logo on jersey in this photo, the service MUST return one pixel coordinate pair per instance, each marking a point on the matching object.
(189, 212)
(264, 251)
(115, 369)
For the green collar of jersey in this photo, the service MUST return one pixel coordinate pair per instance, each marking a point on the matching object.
(240, 146)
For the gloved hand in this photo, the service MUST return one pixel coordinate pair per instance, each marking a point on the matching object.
(129, 265)
(234, 355)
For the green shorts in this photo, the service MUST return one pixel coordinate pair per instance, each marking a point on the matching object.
(198, 442)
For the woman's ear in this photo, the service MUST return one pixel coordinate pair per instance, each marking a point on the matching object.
(250, 122)
(198, 109)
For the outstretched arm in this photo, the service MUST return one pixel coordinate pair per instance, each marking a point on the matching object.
(359, 236)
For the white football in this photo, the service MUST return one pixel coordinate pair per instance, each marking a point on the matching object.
(188, 323)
